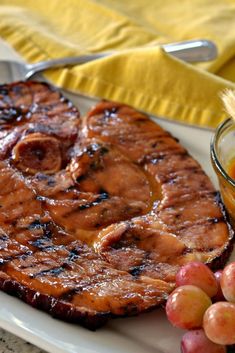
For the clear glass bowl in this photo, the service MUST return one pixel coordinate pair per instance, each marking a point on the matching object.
(222, 153)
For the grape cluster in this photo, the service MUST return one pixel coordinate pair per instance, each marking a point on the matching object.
(204, 304)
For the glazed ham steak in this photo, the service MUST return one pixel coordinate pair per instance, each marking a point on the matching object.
(98, 213)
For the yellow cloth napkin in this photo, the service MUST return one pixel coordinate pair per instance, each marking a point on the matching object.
(141, 73)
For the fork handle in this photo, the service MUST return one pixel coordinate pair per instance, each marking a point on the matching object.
(33, 69)
(190, 51)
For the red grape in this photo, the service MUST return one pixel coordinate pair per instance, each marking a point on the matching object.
(186, 306)
(196, 341)
(219, 295)
(197, 274)
(219, 323)
(228, 282)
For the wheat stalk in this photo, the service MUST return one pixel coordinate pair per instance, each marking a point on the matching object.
(228, 98)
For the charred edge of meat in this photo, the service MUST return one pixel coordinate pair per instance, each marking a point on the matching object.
(216, 220)
(4, 90)
(15, 113)
(220, 261)
(110, 113)
(11, 114)
(107, 109)
(225, 214)
(133, 310)
(57, 308)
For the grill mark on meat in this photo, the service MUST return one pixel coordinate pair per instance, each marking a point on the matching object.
(103, 196)
(36, 224)
(199, 196)
(183, 198)
(3, 237)
(137, 270)
(44, 226)
(183, 155)
(205, 221)
(22, 255)
(74, 255)
(95, 147)
(56, 271)
(42, 244)
(171, 177)
(99, 199)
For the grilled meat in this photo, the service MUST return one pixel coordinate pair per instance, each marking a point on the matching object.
(97, 214)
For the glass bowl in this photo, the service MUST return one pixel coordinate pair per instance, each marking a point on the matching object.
(222, 155)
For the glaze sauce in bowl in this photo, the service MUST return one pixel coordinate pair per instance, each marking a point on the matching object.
(223, 161)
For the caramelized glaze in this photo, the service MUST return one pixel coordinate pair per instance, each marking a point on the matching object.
(97, 214)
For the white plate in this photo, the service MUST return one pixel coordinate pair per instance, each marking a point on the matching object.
(147, 333)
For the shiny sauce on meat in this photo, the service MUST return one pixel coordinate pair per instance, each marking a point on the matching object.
(97, 213)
